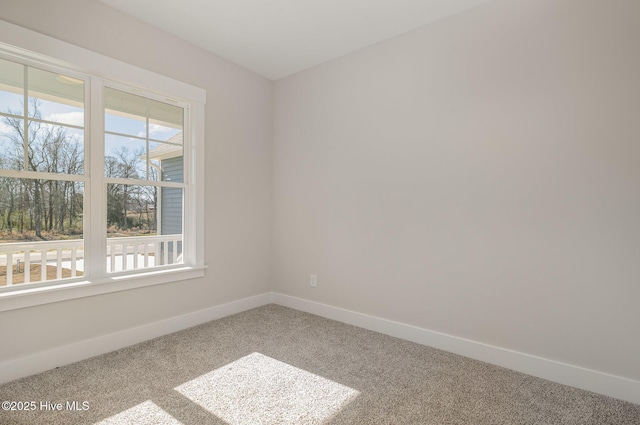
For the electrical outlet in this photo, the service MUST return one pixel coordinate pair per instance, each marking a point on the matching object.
(313, 280)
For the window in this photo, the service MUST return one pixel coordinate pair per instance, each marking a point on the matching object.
(144, 172)
(41, 175)
(98, 180)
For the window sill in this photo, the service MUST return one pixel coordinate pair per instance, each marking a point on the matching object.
(30, 297)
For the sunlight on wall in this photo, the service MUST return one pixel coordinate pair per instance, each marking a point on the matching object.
(258, 389)
(143, 413)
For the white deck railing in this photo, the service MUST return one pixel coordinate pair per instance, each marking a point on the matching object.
(143, 252)
(125, 253)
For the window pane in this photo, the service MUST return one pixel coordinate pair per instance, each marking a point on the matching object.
(125, 157)
(56, 112)
(165, 121)
(52, 148)
(55, 97)
(41, 233)
(55, 148)
(125, 113)
(171, 210)
(167, 160)
(11, 143)
(11, 87)
(131, 210)
(155, 153)
(166, 114)
(124, 125)
(161, 133)
(144, 226)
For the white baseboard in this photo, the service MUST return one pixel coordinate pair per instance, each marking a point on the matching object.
(586, 379)
(590, 380)
(60, 356)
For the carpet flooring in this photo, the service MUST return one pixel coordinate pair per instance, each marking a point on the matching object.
(275, 365)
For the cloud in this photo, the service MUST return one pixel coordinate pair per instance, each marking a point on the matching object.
(73, 118)
(159, 132)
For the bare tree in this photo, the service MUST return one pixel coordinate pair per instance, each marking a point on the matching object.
(120, 197)
(49, 149)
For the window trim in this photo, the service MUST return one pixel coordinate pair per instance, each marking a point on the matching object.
(31, 48)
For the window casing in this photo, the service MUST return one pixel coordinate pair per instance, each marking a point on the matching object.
(162, 180)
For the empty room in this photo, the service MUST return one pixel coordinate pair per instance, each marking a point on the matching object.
(320, 212)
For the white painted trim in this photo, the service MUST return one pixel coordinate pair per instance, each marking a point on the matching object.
(55, 292)
(60, 356)
(85, 61)
(575, 376)
(586, 379)
(194, 198)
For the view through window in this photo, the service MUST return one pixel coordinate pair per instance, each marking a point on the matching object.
(45, 177)
(42, 164)
(144, 170)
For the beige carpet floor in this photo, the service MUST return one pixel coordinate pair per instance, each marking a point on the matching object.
(274, 365)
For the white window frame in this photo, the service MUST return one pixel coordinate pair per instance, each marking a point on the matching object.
(34, 49)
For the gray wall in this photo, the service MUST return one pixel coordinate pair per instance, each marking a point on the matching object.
(237, 179)
(478, 177)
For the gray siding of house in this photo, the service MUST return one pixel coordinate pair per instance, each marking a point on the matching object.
(172, 170)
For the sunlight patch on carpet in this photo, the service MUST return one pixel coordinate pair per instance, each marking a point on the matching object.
(144, 413)
(257, 389)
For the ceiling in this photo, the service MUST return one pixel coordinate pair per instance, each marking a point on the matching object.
(276, 38)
